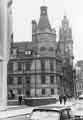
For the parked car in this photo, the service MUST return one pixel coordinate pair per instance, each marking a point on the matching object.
(51, 113)
(81, 96)
(77, 111)
(15, 113)
(21, 117)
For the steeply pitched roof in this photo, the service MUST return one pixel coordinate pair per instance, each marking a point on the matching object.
(43, 21)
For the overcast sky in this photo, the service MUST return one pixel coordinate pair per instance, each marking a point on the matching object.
(26, 10)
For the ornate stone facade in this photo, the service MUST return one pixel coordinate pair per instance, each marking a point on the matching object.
(66, 50)
(35, 68)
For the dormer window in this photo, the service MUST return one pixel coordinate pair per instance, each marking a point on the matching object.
(28, 52)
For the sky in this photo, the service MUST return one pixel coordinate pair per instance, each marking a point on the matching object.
(26, 10)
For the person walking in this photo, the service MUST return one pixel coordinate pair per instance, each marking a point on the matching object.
(60, 99)
(20, 99)
(65, 99)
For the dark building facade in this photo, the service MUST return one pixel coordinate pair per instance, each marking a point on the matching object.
(66, 48)
(79, 78)
(42, 67)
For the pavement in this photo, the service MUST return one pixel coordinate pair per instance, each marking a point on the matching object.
(23, 109)
(15, 111)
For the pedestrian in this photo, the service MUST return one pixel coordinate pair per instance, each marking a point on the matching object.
(20, 99)
(60, 99)
(65, 99)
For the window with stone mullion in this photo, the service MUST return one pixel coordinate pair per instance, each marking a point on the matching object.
(51, 65)
(43, 79)
(52, 79)
(10, 80)
(28, 79)
(42, 65)
(27, 65)
(43, 91)
(19, 80)
(52, 91)
(10, 67)
(19, 66)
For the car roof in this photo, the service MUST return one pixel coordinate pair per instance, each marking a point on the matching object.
(52, 108)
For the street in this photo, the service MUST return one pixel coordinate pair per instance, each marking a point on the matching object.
(22, 112)
(23, 117)
(15, 113)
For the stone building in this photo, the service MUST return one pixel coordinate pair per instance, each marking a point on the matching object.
(66, 50)
(35, 68)
(79, 77)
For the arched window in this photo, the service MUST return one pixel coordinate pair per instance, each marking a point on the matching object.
(42, 49)
(51, 49)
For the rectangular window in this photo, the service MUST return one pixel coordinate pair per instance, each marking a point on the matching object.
(10, 67)
(52, 79)
(28, 93)
(10, 80)
(52, 91)
(28, 79)
(27, 65)
(43, 80)
(19, 66)
(51, 66)
(14, 51)
(19, 90)
(42, 65)
(19, 80)
(43, 91)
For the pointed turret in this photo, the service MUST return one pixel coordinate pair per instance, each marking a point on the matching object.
(65, 23)
(34, 26)
(44, 24)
